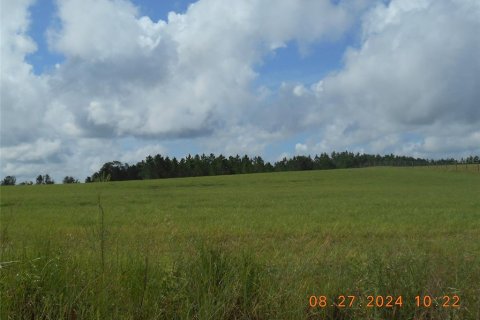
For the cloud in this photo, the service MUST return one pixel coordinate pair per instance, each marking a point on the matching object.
(41, 150)
(301, 149)
(96, 30)
(126, 75)
(418, 63)
(416, 72)
(139, 154)
(22, 93)
(240, 139)
(410, 83)
(15, 43)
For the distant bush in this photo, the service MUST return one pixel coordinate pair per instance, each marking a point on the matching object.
(9, 181)
(69, 179)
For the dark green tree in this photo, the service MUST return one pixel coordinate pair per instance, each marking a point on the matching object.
(69, 179)
(39, 179)
(9, 181)
(47, 179)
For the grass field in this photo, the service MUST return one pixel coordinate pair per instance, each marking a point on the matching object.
(244, 247)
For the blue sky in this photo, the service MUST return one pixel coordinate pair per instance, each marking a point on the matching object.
(42, 17)
(89, 81)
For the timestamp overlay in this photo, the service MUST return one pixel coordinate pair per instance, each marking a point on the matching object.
(388, 306)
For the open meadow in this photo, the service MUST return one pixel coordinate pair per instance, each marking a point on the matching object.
(255, 246)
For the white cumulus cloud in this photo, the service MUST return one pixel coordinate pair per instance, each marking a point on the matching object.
(410, 84)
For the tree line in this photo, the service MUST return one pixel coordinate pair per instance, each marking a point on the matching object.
(160, 167)
(41, 179)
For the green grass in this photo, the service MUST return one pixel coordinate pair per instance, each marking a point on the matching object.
(243, 247)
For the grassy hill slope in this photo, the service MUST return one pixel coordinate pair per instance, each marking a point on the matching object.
(244, 247)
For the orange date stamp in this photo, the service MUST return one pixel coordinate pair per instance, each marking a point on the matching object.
(383, 301)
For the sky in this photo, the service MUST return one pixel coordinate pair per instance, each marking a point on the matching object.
(84, 82)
